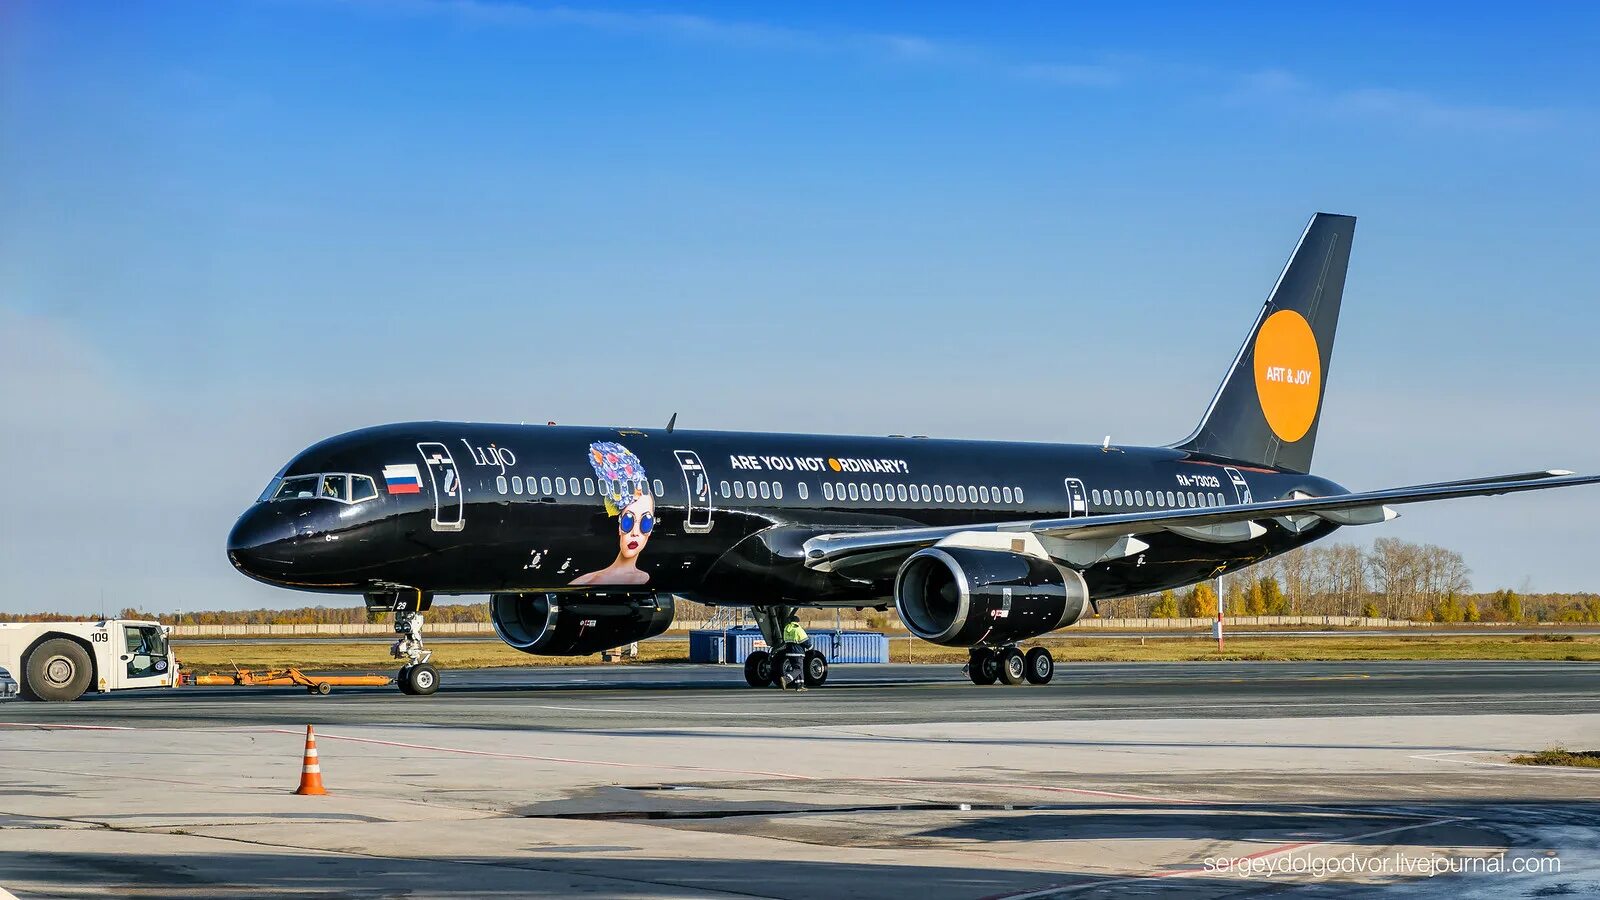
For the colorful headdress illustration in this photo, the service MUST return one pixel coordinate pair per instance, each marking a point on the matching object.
(621, 474)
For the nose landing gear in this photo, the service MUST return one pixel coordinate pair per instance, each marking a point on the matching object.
(418, 677)
(987, 665)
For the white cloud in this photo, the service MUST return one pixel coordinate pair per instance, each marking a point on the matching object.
(1281, 89)
(1072, 75)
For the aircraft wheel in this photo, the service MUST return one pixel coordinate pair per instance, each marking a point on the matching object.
(58, 669)
(423, 679)
(983, 667)
(758, 668)
(322, 687)
(403, 680)
(1013, 667)
(816, 666)
(1041, 666)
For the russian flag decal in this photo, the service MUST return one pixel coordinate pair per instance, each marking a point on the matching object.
(402, 479)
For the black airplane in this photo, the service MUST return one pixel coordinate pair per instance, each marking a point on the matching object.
(582, 536)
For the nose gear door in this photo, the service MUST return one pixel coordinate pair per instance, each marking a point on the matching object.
(448, 500)
(697, 485)
(1240, 486)
(1077, 499)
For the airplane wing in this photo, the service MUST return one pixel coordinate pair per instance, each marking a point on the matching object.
(1084, 540)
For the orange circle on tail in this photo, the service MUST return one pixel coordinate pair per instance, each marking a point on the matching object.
(1288, 374)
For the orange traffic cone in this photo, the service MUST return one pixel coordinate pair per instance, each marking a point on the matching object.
(311, 773)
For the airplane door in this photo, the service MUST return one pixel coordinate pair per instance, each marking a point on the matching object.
(1077, 499)
(448, 501)
(1241, 488)
(697, 488)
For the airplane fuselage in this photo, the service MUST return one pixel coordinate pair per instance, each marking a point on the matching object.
(456, 508)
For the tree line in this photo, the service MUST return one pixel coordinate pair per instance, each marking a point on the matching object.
(1392, 579)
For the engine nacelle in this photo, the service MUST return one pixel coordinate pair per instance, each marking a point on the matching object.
(577, 624)
(964, 596)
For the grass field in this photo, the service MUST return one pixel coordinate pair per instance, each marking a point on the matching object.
(1583, 759)
(374, 655)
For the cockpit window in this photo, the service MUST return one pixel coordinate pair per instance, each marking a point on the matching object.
(333, 487)
(338, 486)
(302, 486)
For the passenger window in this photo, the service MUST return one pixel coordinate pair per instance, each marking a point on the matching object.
(332, 487)
(661, 489)
(766, 492)
(827, 490)
(1094, 496)
(588, 487)
(738, 489)
(801, 487)
(544, 485)
(1117, 497)
(724, 487)
(750, 489)
(777, 490)
(572, 486)
(938, 493)
(1019, 495)
(561, 486)
(1007, 492)
(516, 484)
(927, 495)
(362, 488)
(1170, 501)
(983, 494)
(854, 494)
(961, 493)
(900, 492)
(500, 483)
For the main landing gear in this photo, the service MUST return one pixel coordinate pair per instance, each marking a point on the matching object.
(418, 677)
(790, 667)
(787, 666)
(986, 665)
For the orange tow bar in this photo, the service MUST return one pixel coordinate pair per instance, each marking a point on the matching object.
(321, 684)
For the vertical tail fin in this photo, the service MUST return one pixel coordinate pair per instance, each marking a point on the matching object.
(1267, 410)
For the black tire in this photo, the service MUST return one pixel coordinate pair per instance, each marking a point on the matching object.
(58, 670)
(816, 668)
(983, 667)
(758, 668)
(1040, 665)
(779, 662)
(403, 679)
(1013, 666)
(423, 679)
(323, 688)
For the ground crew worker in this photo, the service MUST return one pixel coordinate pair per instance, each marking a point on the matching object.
(792, 660)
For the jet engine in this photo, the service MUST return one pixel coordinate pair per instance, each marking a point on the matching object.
(964, 596)
(577, 624)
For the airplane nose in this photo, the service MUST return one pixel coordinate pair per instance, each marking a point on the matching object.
(259, 544)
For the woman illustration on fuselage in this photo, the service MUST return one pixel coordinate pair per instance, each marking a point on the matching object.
(627, 495)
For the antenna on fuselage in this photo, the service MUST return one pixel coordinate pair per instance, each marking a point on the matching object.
(671, 422)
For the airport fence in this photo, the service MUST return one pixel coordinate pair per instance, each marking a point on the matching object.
(473, 629)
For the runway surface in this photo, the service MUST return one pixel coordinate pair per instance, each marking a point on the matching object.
(653, 696)
(1125, 780)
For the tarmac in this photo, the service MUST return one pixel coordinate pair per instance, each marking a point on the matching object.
(1146, 779)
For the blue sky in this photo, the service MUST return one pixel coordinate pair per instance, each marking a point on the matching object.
(229, 230)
